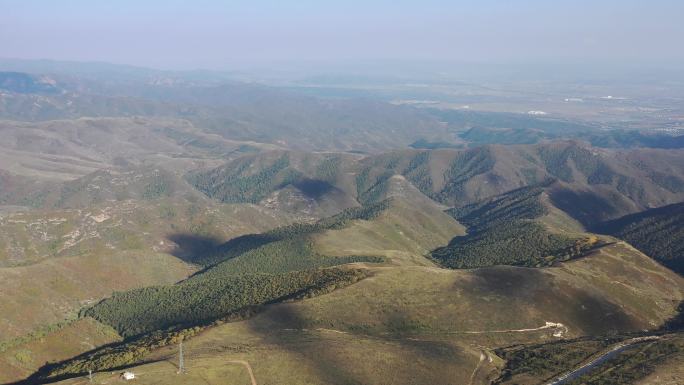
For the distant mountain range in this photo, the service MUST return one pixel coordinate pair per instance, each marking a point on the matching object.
(23, 83)
(285, 117)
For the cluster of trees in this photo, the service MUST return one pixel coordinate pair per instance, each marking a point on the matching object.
(203, 299)
(231, 185)
(280, 257)
(503, 231)
(516, 243)
(328, 169)
(288, 243)
(114, 355)
(371, 187)
(557, 163)
(657, 232)
(158, 187)
(465, 166)
(546, 360)
(669, 182)
(373, 192)
(252, 270)
(418, 172)
(523, 203)
(633, 364)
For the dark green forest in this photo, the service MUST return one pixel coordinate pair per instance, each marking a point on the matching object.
(248, 271)
(502, 231)
(201, 299)
(658, 233)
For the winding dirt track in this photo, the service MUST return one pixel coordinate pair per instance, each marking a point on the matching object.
(483, 356)
(249, 369)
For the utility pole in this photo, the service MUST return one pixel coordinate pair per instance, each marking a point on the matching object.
(181, 364)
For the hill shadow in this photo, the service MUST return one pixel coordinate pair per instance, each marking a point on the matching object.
(324, 350)
(576, 307)
(588, 208)
(313, 188)
(194, 248)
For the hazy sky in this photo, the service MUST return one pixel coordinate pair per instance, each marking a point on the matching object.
(231, 34)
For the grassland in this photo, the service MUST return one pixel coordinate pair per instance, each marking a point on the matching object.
(171, 225)
(252, 271)
(408, 323)
(403, 233)
(23, 356)
(409, 307)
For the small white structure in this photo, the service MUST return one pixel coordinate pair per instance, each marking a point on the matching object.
(127, 376)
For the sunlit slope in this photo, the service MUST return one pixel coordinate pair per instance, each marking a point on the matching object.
(23, 356)
(588, 183)
(68, 149)
(420, 324)
(585, 295)
(410, 228)
(52, 290)
(57, 259)
(54, 262)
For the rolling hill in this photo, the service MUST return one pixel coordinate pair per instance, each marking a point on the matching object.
(144, 231)
(24, 83)
(432, 324)
(657, 232)
(591, 185)
(68, 149)
(233, 110)
(511, 230)
(400, 308)
(54, 262)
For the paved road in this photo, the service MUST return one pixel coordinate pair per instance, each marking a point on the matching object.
(598, 361)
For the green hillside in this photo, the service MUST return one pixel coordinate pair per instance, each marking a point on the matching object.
(591, 185)
(507, 230)
(250, 271)
(201, 300)
(657, 232)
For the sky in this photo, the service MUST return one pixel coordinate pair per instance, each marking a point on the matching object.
(172, 34)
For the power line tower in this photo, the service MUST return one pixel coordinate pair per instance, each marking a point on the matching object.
(181, 363)
(90, 375)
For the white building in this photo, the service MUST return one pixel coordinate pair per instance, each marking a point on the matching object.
(127, 376)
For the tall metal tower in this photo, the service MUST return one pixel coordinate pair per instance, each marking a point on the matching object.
(181, 363)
